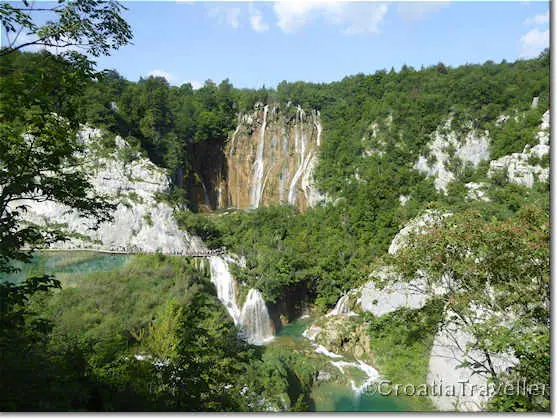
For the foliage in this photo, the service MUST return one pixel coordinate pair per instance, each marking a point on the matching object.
(488, 270)
(402, 341)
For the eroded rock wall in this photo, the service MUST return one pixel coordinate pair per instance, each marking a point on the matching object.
(270, 158)
(141, 221)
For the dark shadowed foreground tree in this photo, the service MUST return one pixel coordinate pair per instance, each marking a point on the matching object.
(38, 120)
(496, 277)
(39, 150)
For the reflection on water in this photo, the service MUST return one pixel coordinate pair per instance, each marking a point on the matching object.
(66, 263)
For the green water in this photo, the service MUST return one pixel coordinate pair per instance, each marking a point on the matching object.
(338, 397)
(332, 397)
(66, 263)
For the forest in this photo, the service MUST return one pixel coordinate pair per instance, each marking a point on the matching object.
(79, 347)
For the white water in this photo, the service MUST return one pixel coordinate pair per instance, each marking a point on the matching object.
(371, 373)
(226, 286)
(220, 200)
(206, 194)
(255, 322)
(301, 169)
(342, 307)
(318, 126)
(232, 141)
(320, 349)
(256, 189)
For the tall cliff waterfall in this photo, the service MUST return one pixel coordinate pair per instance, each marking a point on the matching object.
(254, 320)
(270, 158)
(258, 166)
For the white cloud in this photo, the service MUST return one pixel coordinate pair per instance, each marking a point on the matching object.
(257, 23)
(418, 10)
(160, 73)
(356, 18)
(538, 19)
(533, 43)
(195, 84)
(226, 15)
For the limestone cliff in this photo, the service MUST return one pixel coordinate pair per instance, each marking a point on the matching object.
(270, 158)
(141, 221)
(447, 146)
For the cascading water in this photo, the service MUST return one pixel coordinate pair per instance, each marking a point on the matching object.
(257, 184)
(342, 307)
(232, 141)
(301, 169)
(255, 322)
(318, 126)
(226, 286)
(206, 199)
(300, 147)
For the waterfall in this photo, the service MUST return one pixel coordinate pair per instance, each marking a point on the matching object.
(371, 373)
(255, 322)
(220, 196)
(257, 189)
(342, 307)
(226, 286)
(318, 126)
(234, 137)
(206, 194)
(292, 190)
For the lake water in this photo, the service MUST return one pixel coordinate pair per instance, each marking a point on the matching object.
(79, 262)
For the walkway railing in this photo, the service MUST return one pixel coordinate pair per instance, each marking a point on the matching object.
(122, 250)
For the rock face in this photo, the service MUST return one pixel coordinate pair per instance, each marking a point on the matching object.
(455, 384)
(270, 159)
(380, 301)
(140, 221)
(517, 165)
(446, 145)
(339, 334)
(452, 384)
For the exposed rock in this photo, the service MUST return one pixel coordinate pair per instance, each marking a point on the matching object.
(449, 351)
(472, 149)
(323, 375)
(516, 165)
(535, 102)
(395, 295)
(341, 334)
(403, 199)
(140, 221)
(477, 191)
(271, 156)
(415, 226)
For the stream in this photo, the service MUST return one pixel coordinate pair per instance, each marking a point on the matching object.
(345, 395)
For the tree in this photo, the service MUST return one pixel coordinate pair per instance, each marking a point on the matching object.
(40, 153)
(39, 148)
(495, 277)
(93, 26)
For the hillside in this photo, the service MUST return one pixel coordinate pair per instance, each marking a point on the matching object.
(369, 204)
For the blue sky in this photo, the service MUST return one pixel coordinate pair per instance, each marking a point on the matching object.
(262, 43)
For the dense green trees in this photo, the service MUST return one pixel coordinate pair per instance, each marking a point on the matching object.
(149, 336)
(374, 128)
(496, 277)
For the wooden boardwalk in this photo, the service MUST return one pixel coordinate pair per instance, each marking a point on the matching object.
(131, 251)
